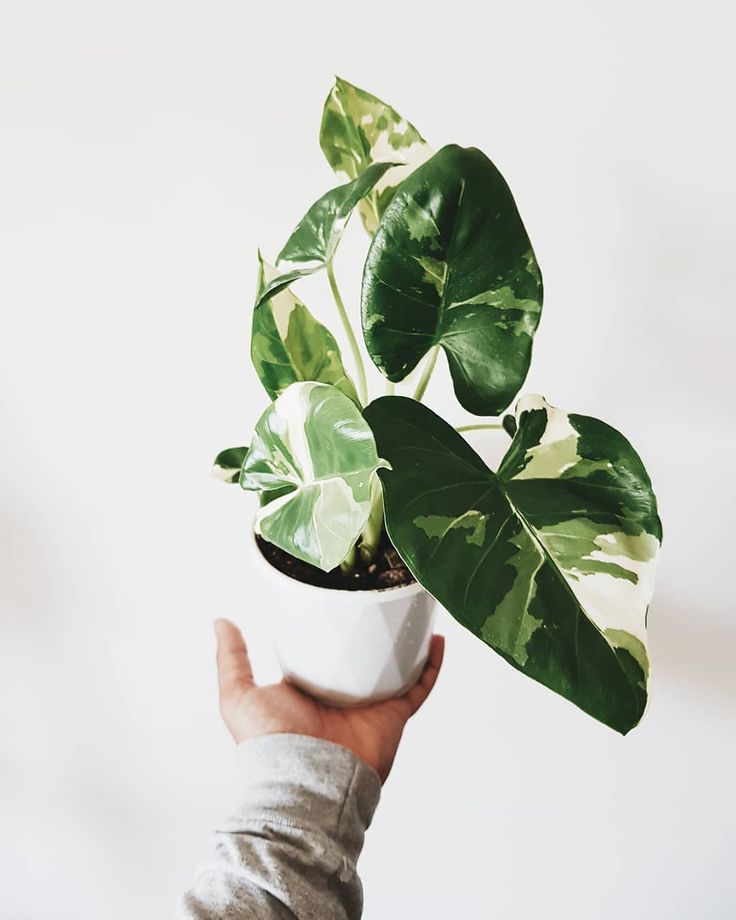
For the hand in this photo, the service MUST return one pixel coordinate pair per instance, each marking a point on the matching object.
(372, 732)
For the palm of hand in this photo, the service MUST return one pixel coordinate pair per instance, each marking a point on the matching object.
(372, 732)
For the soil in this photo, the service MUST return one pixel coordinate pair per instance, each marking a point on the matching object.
(386, 570)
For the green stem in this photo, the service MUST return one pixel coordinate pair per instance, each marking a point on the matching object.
(352, 341)
(371, 533)
(348, 563)
(390, 388)
(426, 373)
(495, 426)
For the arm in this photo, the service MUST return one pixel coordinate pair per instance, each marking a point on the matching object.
(290, 847)
(312, 777)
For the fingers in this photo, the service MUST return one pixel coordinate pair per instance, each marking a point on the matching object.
(233, 666)
(417, 694)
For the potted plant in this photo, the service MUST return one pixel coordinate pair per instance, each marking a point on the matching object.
(370, 509)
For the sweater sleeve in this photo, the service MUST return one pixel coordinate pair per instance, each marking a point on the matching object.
(290, 847)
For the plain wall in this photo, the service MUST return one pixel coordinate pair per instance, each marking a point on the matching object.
(148, 149)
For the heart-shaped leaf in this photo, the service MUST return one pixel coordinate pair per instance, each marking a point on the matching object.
(451, 265)
(358, 129)
(550, 561)
(312, 447)
(312, 245)
(289, 345)
(228, 463)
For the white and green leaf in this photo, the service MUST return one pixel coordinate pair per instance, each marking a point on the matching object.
(315, 456)
(586, 494)
(228, 463)
(451, 265)
(314, 241)
(288, 345)
(550, 561)
(358, 129)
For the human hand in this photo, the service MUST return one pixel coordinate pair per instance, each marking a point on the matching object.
(372, 732)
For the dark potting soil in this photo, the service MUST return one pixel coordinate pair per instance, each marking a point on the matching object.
(386, 570)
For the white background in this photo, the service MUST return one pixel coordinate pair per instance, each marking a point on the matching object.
(147, 149)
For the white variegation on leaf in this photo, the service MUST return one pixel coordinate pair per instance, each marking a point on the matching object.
(609, 555)
(359, 129)
(313, 458)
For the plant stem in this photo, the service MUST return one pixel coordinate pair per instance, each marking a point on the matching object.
(496, 426)
(371, 533)
(352, 341)
(390, 388)
(348, 563)
(426, 373)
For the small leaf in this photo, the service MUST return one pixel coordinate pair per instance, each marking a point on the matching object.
(358, 129)
(289, 345)
(451, 265)
(312, 446)
(311, 246)
(550, 562)
(228, 463)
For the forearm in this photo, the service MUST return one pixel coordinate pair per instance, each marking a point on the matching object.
(290, 848)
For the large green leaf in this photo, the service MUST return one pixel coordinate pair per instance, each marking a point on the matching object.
(550, 561)
(314, 449)
(451, 265)
(312, 245)
(289, 345)
(358, 129)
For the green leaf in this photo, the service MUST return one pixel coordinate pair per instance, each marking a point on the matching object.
(451, 265)
(311, 246)
(312, 446)
(550, 561)
(228, 463)
(358, 129)
(289, 345)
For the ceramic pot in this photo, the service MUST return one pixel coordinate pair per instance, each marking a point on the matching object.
(348, 648)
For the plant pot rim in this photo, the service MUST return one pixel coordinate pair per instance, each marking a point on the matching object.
(358, 595)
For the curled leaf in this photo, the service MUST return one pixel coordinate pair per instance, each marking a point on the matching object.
(312, 447)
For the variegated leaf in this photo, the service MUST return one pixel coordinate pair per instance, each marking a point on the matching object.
(289, 345)
(228, 463)
(550, 561)
(451, 265)
(312, 245)
(313, 450)
(358, 129)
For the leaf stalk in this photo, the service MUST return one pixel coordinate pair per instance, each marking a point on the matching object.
(426, 373)
(492, 426)
(352, 341)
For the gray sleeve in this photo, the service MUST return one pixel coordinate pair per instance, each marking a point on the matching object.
(289, 849)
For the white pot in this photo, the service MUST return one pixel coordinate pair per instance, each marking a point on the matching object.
(348, 647)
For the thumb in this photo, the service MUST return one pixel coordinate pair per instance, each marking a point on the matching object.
(235, 675)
